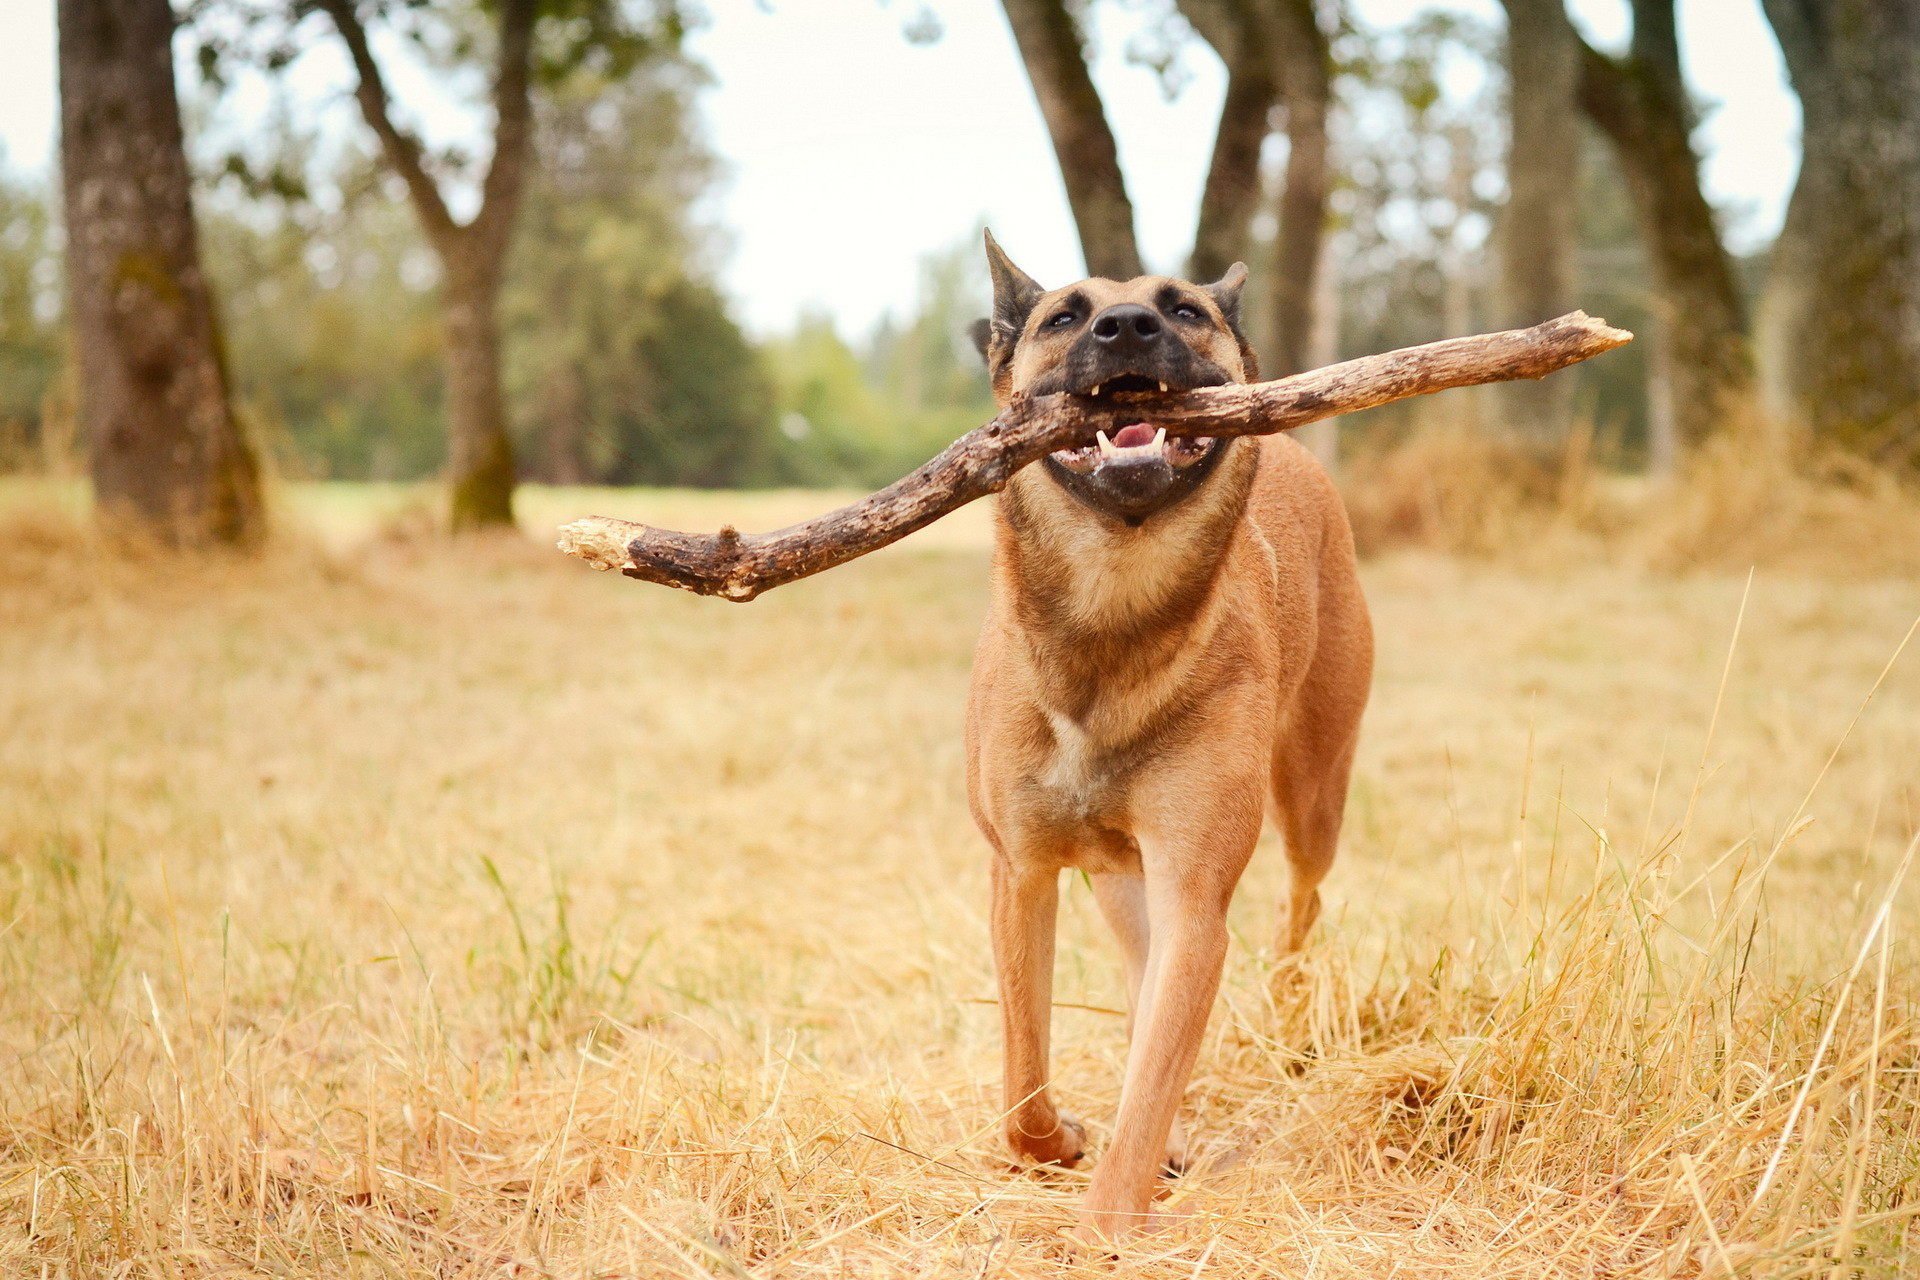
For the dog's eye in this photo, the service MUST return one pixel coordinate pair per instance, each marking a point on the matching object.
(1062, 320)
(1187, 311)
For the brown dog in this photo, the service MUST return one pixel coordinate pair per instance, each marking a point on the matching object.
(1177, 639)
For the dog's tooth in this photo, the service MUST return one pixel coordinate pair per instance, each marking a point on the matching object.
(1163, 386)
(1096, 388)
(1160, 439)
(1107, 448)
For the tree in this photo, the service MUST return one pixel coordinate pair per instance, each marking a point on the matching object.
(472, 254)
(534, 43)
(1640, 102)
(1051, 47)
(625, 366)
(1537, 229)
(1276, 55)
(1839, 329)
(1233, 187)
(166, 452)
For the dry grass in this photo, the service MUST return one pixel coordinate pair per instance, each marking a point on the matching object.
(409, 909)
(1757, 495)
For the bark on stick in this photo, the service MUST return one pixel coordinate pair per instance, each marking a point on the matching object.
(739, 566)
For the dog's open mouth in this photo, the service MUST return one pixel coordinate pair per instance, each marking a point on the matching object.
(1135, 443)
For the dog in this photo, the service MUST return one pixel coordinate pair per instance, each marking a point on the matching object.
(1176, 646)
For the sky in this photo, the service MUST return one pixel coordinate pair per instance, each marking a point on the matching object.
(851, 152)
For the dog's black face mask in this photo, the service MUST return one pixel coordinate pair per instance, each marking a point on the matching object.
(1101, 337)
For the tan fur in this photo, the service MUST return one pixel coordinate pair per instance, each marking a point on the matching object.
(1141, 698)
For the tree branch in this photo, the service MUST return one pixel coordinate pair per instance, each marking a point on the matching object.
(1608, 98)
(1083, 145)
(513, 130)
(739, 566)
(401, 148)
(1232, 190)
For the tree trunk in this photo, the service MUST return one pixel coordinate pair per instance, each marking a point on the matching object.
(1839, 327)
(1304, 66)
(1083, 144)
(1701, 349)
(472, 255)
(166, 452)
(479, 450)
(1233, 187)
(1537, 236)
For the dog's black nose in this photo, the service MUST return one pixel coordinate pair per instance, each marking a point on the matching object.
(1126, 326)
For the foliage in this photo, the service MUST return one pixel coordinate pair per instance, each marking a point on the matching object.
(868, 417)
(624, 366)
(1419, 155)
(32, 328)
(333, 335)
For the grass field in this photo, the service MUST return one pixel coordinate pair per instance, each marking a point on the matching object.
(393, 907)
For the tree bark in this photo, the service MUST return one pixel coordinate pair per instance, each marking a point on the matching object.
(1701, 349)
(1275, 54)
(1839, 328)
(1304, 66)
(1083, 145)
(1537, 235)
(739, 567)
(167, 454)
(472, 256)
(1233, 187)
(480, 452)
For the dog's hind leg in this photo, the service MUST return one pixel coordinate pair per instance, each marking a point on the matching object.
(1312, 764)
(1025, 904)
(1123, 901)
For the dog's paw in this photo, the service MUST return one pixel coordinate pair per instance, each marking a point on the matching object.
(1104, 1234)
(1174, 1163)
(1063, 1148)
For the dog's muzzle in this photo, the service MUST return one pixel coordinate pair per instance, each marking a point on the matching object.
(1137, 472)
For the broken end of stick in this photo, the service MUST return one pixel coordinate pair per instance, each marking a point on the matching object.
(1603, 335)
(600, 541)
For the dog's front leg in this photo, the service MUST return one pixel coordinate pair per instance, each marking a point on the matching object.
(1025, 903)
(1189, 883)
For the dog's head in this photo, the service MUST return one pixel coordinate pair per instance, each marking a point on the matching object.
(1101, 336)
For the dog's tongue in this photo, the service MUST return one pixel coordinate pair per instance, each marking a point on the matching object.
(1132, 434)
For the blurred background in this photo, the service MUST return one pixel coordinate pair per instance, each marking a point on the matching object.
(737, 245)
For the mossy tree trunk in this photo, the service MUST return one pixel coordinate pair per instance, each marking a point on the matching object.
(167, 455)
(472, 256)
(1640, 103)
(1839, 324)
(480, 464)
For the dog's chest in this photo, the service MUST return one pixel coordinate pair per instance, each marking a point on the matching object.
(1079, 795)
(1078, 773)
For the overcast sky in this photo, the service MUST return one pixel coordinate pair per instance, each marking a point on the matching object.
(851, 152)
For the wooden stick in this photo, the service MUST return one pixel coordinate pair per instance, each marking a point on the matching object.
(738, 566)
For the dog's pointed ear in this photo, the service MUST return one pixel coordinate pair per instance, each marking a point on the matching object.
(1014, 292)
(1225, 293)
(981, 331)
